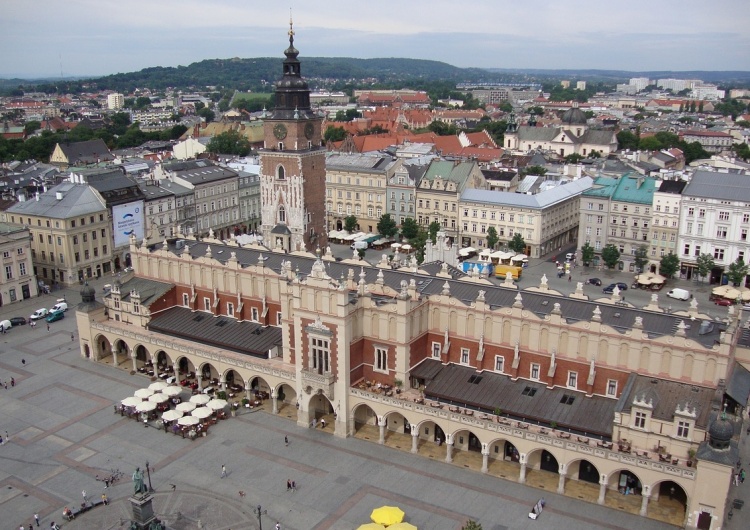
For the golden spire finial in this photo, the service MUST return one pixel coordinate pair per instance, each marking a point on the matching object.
(291, 24)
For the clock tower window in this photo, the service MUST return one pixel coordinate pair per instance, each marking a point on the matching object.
(282, 214)
(280, 173)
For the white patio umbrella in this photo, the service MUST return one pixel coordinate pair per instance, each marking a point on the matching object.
(200, 399)
(131, 401)
(188, 420)
(144, 393)
(158, 386)
(158, 398)
(201, 413)
(172, 391)
(171, 415)
(519, 257)
(721, 290)
(217, 404)
(186, 406)
(145, 406)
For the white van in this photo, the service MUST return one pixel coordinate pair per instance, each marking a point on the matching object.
(59, 306)
(680, 294)
(358, 245)
(5, 325)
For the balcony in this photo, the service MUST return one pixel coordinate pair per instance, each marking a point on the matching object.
(315, 383)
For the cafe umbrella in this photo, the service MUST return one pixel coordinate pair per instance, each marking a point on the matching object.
(144, 393)
(171, 415)
(145, 406)
(402, 526)
(371, 526)
(131, 401)
(186, 407)
(387, 515)
(188, 420)
(158, 386)
(200, 399)
(158, 398)
(172, 391)
(201, 413)
(216, 404)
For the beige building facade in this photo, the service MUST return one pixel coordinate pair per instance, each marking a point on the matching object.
(17, 279)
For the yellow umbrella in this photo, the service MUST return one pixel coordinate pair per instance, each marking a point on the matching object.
(745, 295)
(720, 291)
(402, 526)
(387, 515)
(371, 526)
(732, 294)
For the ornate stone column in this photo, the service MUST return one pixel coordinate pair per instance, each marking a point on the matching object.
(602, 489)
(114, 357)
(561, 481)
(449, 448)
(223, 383)
(381, 427)
(522, 474)
(644, 503)
(485, 458)
(199, 377)
(247, 390)
(414, 439)
(275, 401)
(132, 357)
(176, 369)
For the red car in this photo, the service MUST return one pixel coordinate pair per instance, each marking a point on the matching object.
(723, 301)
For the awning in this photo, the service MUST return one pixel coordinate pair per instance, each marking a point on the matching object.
(738, 386)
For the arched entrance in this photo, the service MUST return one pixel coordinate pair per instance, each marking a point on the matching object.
(503, 459)
(397, 431)
(286, 401)
(142, 361)
(260, 387)
(321, 412)
(467, 449)
(235, 385)
(163, 360)
(623, 491)
(581, 480)
(668, 503)
(365, 422)
(587, 472)
(431, 440)
(542, 470)
(209, 378)
(103, 349)
(548, 462)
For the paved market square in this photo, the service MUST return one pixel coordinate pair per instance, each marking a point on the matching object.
(64, 432)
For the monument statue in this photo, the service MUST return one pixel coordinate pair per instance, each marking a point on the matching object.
(138, 485)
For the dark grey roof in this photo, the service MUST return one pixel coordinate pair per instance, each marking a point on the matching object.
(88, 152)
(463, 385)
(719, 185)
(204, 175)
(281, 229)
(672, 186)
(248, 338)
(537, 134)
(738, 387)
(621, 318)
(149, 290)
(77, 200)
(665, 397)
(726, 457)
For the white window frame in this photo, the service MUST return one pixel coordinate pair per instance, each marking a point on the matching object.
(206, 304)
(437, 349)
(185, 299)
(230, 309)
(324, 345)
(465, 356)
(499, 364)
(380, 362)
(534, 371)
(612, 387)
(254, 315)
(640, 419)
(572, 379)
(683, 428)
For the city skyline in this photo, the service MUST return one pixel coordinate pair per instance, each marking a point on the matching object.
(100, 38)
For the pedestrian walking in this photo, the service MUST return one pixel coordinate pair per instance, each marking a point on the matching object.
(2, 441)
(278, 526)
(742, 475)
(736, 480)
(294, 486)
(23, 362)
(223, 471)
(12, 381)
(72, 338)
(47, 328)
(570, 277)
(288, 484)
(36, 518)
(105, 501)
(106, 482)
(85, 499)
(286, 441)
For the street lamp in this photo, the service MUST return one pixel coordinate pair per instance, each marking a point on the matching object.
(259, 512)
(148, 472)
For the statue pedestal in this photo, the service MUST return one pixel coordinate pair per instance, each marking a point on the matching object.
(143, 511)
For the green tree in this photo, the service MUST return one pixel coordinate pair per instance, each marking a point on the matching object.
(442, 129)
(587, 254)
(334, 134)
(492, 237)
(350, 223)
(517, 244)
(737, 272)
(409, 228)
(649, 143)
(418, 243)
(433, 229)
(142, 102)
(471, 525)
(742, 151)
(705, 263)
(610, 256)
(31, 126)
(387, 226)
(574, 158)
(533, 170)
(229, 143)
(669, 265)
(207, 114)
(627, 140)
(693, 151)
(641, 258)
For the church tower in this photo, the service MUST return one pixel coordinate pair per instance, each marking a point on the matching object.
(292, 165)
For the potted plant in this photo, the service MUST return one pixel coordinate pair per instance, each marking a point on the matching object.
(221, 394)
(497, 412)
(553, 425)
(691, 457)
(399, 383)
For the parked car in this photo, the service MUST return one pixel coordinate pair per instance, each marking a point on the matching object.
(5, 325)
(746, 307)
(611, 287)
(723, 301)
(54, 317)
(39, 313)
(17, 321)
(594, 281)
(679, 294)
(59, 306)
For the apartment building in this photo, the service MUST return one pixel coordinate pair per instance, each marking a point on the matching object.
(357, 184)
(17, 279)
(439, 192)
(546, 220)
(401, 191)
(665, 221)
(617, 211)
(115, 101)
(715, 220)
(711, 141)
(161, 214)
(71, 233)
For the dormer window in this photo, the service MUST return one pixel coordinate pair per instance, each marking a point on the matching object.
(639, 420)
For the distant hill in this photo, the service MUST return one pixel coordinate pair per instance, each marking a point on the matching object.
(724, 77)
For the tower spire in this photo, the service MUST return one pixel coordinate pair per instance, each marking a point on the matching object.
(291, 29)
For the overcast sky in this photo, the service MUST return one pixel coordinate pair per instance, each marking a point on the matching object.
(98, 37)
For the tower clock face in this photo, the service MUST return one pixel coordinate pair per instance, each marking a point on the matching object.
(309, 131)
(279, 131)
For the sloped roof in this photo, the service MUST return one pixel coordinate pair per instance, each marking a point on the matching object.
(635, 189)
(537, 134)
(149, 290)
(719, 185)
(539, 200)
(77, 200)
(88, 152)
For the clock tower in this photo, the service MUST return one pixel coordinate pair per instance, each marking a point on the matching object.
(292, 165)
